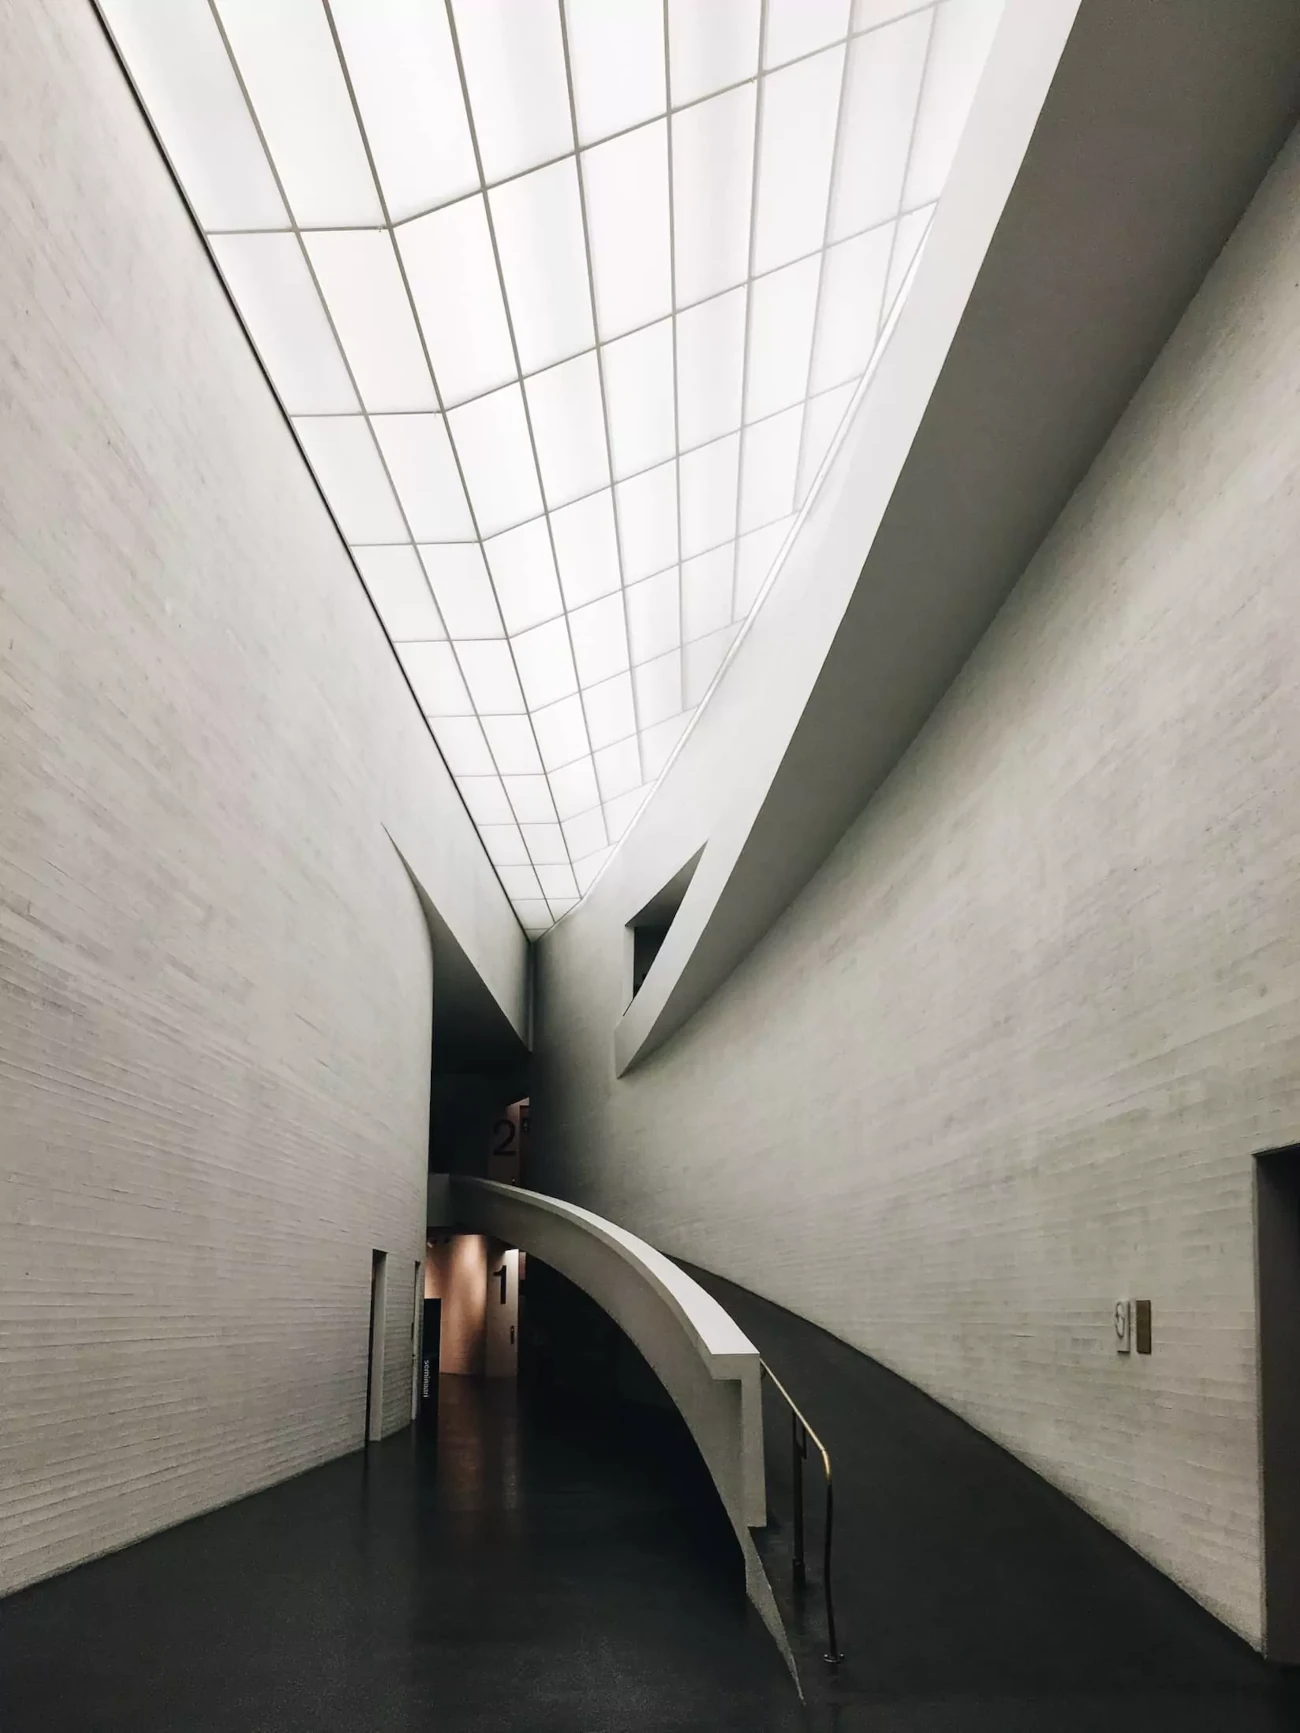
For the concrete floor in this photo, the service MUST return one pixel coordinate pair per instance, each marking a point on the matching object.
(514, 1568)
(971, 1596)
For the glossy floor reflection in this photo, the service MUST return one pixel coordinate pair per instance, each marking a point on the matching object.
(520, 1567)
(971, 1596)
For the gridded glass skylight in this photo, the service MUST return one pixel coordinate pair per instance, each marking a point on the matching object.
(567, 300)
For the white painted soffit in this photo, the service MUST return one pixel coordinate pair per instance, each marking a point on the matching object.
(566, 300)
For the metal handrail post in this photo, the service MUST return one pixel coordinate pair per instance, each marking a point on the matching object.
(798, 1451)
(801, 1433)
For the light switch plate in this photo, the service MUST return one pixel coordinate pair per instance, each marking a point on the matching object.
(1123, 1326)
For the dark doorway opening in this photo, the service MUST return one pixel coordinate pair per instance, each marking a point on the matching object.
(375, 1355)
(1277, 1266)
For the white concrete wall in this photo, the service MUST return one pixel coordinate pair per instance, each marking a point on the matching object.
(1007, 1058)
(215, 975)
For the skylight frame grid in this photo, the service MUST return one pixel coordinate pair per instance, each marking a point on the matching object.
(667, 729)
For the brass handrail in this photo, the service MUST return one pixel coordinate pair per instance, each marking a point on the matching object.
(800, 1433)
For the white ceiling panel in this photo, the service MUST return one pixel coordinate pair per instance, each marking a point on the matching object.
(188, 85)
(538, 221)
(458, 577)
(617, 57)
(422, 465)
(569, 428)
(586, 548)
(400, 591)
(639, 373)
(359, 277)
(341, 450)
(457, 292)
(798, 27)
(403, 69)
(523, 574)
(713, 170)
(626, 187)
(496, 454)
(519, 270)
(711, 46)
(273, 289)
(291, 71)
(513, 56)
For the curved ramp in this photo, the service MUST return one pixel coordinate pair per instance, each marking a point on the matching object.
(701, 1356)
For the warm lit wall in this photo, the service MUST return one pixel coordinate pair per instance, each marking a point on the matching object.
(215, 976)
(1008, 1056)
(456, 1272)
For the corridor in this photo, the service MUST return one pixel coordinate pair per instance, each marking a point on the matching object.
(515, 1565)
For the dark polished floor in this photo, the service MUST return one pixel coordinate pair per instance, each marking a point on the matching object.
(972, 1597)
(522, 1567)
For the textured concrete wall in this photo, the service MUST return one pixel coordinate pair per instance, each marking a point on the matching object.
(1008, 1056)
(215, 975)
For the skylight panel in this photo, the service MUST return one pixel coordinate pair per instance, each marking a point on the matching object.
(708, 483)
(755, 554)
(769, 467)
(530, 796)
(538, 220)
(599, 640)
(558, 882)
(963, 34)
(822, 419)
(586, 548)
(783, 308)
(341, 451)
(423, 469)
(457, 293)
(573, 788)
(486, 800)
(436, 680)
(569, 428)
(618, 769)
(459, 580)
(658, 687)
(514, 746)
(617, 56)
(796, 27)
(626, 186)
(711, 45)
(506, 848)
(852, 303)
(520, 883)
(657, 743)
(561, 733)
(545, 664)
(403, 70)
(639, 398)
(184, 75)
(359, 278)
(701, 661)
(277, 299)
(545, 847)
(620, 813)
(464, 746)
(800, 107)
(291, 70)
(869, 13)
(489, 671)
(491, 435)
(880, 97)
(586, 868)
(647, 515)
(585, 835)
(400, 591)
(654, 616)
(710, 368)
(706, 592)
(610, 710)
(713, 167)
(523, 572)
(513, 58)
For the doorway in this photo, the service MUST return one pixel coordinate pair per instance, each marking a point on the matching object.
(1277, 1272)
(375, 1362)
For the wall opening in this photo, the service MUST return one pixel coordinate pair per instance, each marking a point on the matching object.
(1277, 1272)
(375, 1362)
(648, 928)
